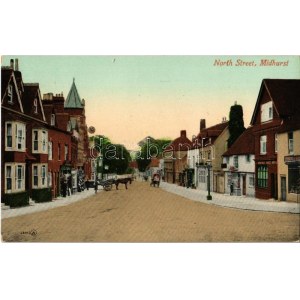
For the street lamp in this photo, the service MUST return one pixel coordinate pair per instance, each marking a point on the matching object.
(208, 166)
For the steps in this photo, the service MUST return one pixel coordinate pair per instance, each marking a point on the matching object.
(4, 207)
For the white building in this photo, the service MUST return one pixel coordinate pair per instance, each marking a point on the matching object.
(239, 166)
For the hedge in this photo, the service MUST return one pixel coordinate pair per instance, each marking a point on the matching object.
(16, 199)
(42, 195)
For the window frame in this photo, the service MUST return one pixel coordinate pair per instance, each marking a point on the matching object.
(263, 144)
(262, 176)
(10, 94)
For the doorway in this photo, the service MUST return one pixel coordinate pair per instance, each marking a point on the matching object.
(244, 185)
(283, 188)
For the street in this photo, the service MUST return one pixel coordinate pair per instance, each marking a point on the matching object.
(147, 214)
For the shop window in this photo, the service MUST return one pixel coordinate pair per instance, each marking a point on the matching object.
(262, 176)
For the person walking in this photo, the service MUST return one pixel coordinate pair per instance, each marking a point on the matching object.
(231, 188)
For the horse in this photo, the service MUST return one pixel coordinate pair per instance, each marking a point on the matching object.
(123, 181)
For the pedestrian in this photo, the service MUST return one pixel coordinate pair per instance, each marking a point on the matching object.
(96, 185)
(231, 188)
(86, 183)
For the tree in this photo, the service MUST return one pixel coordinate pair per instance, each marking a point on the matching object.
(149, 150)
(236, 123)
(115, 157)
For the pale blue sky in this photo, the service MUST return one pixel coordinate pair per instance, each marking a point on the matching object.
(129, 97)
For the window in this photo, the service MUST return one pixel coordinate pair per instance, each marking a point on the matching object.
(43, 173)
(202, 175)
(8, 185)
(44, 141)
(19, 177)
(49, 179)
(227, 160)
(267, 112)
(35, 176)
(40, 141)
(35, 140)
(251, 181)
(58, 151)
(276, 142)
(208, 155)
(270, 113)
(53, 119)
(248, 158)
(8, 135)
(66, 152)
(263, 144)
(35, 105)
(291, 143)
(50, 150)
(262, 176)
(236, 161)
(10, 94)
(294, 179)
(20, 136)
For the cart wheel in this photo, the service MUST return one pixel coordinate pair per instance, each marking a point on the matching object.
(107, 187)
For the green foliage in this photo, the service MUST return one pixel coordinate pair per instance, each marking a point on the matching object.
(236, 123)
(116, 157)
(150, 150)
(16, 199)
(42, 195)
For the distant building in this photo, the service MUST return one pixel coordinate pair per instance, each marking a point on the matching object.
(75, 107)
(208, 147)
(175, 159)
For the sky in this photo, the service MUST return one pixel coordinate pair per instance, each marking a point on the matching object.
(130, 97)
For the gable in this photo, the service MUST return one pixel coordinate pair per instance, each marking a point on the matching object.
(10, 96)
(32, 101)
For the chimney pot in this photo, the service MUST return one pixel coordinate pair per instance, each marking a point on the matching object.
(17, 64)
(202, 124)
(183, 133)
(12, 64)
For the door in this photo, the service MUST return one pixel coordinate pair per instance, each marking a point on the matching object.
(274, 185)
(283, 188)
(244, 185)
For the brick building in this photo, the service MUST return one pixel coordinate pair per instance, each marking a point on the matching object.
(75, 107)
(60, 143)
(277, 107)
(24, 159)
(175, 158)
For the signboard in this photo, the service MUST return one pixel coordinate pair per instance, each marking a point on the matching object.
(292, 159)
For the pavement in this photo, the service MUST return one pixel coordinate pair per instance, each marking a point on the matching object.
(224, 200)
(36, 207)
(238, 202)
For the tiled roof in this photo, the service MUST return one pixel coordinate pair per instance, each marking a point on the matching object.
(182, 143)
(73, 98)
(285, 94)
(154, 163)
(211, 133)
(243, 145)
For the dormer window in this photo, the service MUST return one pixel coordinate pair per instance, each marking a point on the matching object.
(267, 112)
(53, 119)
(10, 94)
(35, 105)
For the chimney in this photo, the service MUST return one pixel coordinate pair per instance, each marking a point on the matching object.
(202, 124)
(183, 133)
(12, 64)
(16, 64)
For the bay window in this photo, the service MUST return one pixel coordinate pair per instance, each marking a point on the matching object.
(15, 138)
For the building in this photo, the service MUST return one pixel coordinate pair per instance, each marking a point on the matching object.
(24, 159)
(75, 107)
(175, 159)
(208, 148)
(239, 166)
(276, 113)
(60, 142)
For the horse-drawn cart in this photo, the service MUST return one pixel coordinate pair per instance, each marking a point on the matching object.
(106, 184)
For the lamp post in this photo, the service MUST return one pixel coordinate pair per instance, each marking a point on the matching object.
(208, 197)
